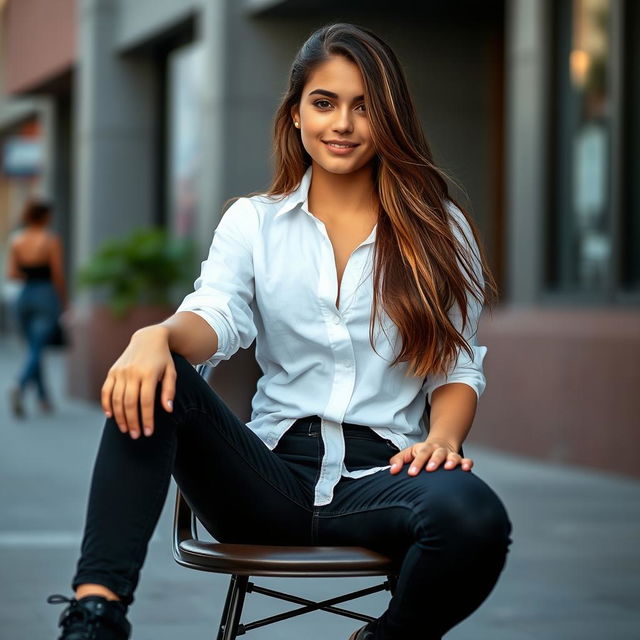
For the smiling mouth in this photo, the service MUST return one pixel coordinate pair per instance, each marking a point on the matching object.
(334, 145)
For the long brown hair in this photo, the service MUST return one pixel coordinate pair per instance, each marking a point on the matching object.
(421, 269)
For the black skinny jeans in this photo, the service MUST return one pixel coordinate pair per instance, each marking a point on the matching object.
(447, 528)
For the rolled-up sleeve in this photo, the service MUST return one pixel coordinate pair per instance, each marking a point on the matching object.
(468, 370)
(224, 290)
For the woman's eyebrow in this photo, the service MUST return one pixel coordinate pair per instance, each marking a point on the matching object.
(330, 94)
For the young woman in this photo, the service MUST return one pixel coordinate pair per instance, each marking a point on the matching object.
(35, 257)
(361, 281)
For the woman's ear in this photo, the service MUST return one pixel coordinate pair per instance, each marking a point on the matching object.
(295, 114)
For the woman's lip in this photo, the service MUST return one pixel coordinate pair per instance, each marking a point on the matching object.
(341, 151)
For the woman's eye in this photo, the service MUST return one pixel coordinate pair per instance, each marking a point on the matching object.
(323, 104)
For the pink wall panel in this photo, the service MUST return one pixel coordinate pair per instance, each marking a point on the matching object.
(563, 386)
(39, 42)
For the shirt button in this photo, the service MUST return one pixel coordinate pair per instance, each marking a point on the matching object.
(337, 319)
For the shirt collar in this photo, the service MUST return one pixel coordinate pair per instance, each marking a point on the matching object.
(298, 196)
(301, 196)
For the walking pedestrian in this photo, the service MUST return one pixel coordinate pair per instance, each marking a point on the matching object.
(35, 256)
(361, 281)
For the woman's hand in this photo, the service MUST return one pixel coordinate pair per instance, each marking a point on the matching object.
(432, 451)
(131, 381)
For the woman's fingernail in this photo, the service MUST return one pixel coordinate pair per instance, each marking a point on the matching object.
(170, 404)
(413, 469)
(107, 413)
(431, 465)
(147, 431)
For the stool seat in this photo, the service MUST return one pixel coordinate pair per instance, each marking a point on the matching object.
(288, 561)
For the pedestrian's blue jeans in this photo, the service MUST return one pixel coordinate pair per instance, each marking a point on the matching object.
(37, 309)
(447, 528)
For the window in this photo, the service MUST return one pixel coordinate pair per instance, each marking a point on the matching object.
(185, 82)
(581, 221)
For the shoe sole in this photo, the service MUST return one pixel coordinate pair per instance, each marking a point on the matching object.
(16, 404)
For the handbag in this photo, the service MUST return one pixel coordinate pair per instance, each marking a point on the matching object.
(58, 336)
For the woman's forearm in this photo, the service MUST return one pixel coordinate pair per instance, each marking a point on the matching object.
(189, 335)
(453, 407)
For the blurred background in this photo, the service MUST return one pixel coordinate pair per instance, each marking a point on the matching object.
(133, 114)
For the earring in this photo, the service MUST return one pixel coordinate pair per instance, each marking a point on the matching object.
(296, 123)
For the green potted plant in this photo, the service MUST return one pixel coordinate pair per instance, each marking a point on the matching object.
(140, 279)
(143, 268)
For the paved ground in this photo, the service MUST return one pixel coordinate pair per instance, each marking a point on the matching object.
(573, 571)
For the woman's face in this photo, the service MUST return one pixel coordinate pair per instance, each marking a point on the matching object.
(332, 108)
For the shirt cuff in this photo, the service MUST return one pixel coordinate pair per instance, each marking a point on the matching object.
(219, 324)
(468, 371)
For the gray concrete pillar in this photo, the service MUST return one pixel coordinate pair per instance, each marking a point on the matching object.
(212, 28)
(527, 52)
(114, 170)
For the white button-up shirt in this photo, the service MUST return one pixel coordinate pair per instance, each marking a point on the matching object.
(270, 275)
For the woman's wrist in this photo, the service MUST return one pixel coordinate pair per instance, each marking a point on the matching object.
(151, 330)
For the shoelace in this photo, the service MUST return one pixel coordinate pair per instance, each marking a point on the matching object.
(74, 618)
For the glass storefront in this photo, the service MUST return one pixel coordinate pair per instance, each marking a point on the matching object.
(581, 220)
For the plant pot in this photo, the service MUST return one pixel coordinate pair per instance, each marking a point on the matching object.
(97, 340)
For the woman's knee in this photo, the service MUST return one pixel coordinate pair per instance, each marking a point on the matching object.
(184, 370)
(191, 389)
(468, 510)
(490, 523)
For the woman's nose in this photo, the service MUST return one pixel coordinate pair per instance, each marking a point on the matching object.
(343, 121)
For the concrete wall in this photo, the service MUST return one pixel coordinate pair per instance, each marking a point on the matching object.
(143, 20)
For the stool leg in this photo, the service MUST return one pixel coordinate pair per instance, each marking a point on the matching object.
(233, 607)
(225, 611)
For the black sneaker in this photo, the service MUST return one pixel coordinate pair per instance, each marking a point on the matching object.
(92, 618)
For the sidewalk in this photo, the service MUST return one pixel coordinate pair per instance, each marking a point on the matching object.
(573, 571)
